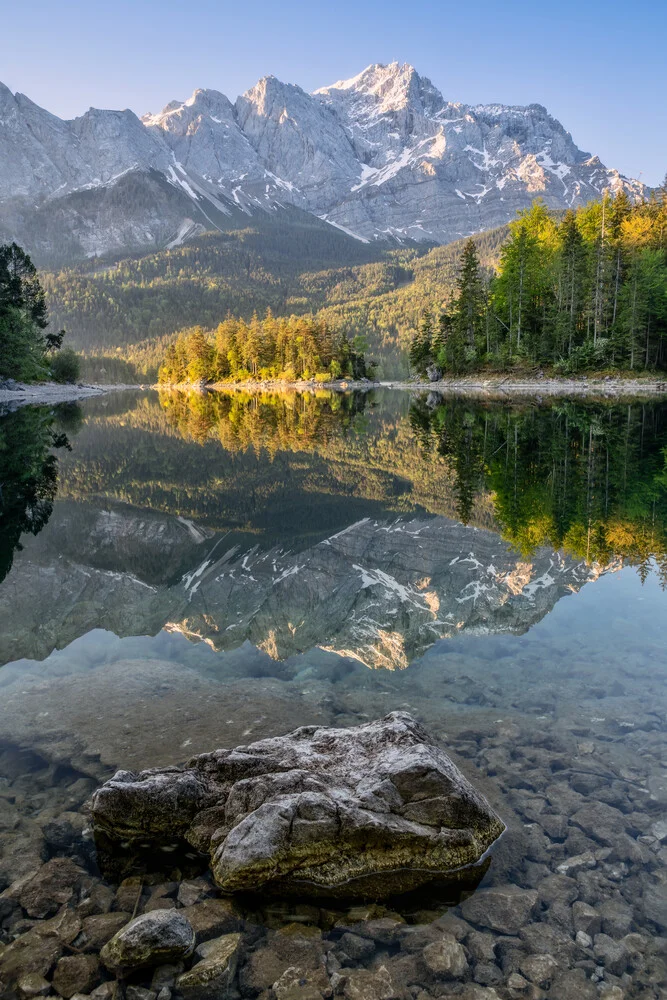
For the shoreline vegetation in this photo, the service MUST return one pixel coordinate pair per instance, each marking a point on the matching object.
(27, 352)
(577, 294)
(582, 295)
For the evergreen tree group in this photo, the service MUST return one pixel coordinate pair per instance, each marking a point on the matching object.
(26, 351)
(290, 349)
(581, 292)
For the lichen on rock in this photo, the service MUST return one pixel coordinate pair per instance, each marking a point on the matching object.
(376, 809)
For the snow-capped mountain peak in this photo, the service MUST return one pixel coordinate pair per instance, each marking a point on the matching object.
(379, 155)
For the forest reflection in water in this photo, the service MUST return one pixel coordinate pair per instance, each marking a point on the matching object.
(29, 439)
(586, 477)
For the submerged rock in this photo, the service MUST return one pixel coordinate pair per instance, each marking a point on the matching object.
(211, 977)
(374, 809)
(151, 939)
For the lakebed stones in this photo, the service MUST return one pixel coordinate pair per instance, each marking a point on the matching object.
(151, 939)
(376, 809)
(211, 977)
(502, 908)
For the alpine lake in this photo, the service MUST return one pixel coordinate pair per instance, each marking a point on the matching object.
(186, 572)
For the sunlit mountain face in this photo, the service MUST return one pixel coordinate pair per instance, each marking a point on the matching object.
(381, 156)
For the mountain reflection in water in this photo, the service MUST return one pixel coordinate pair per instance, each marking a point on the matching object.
(366, 524)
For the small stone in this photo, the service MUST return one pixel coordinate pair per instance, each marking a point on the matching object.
(583, 940)
(516, 982)
(617, 917)
(475, 992)
(150, 939)
(558, 889)
(75, 974)
(51, 885)
(302, 984)
(101, 927)
(654, 901)
(503, 908)
(261, 970)
(127, 893)
(66, 926)
(33, 985)
(446, 957)
(451, 924)
(572, 984)
(99, 900)
(659, 830)
(133, 992)
(609, 992)
(105, 991)
(364, 984)
(211, 977)
(358, 948)
(586, 918)
(613, 955)
(482, 947)
(539, 969)
(386, 930)
(165, 975)
(192, 891)
(487, 974)
(211, 918)
(576, 864)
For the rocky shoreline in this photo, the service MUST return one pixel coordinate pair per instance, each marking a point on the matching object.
(492, 388)
(44, 393)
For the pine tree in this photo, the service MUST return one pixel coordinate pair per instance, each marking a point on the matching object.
(421, 349)
(470, 304)
(571, 277)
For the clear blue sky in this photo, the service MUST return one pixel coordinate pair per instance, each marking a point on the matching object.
(599, 67)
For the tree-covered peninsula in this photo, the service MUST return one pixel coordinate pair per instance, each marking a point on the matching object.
(287, 349)
(583, 291)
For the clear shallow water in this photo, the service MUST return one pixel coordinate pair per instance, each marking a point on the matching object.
(215, 570)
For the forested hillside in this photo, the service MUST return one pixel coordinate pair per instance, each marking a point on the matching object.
(129, 310)
(587, 291)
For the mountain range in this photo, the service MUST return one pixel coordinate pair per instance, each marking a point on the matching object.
(382, 156)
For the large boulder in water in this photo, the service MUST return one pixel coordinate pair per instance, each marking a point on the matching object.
(376, 809)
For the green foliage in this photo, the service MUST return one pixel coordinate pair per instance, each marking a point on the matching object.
(24, 347)
(66, 366)
(298, 347)
(132, 310)
(584, 292)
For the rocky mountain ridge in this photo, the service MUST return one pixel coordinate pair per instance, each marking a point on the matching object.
(382, 155)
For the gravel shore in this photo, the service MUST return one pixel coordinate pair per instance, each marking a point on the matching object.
(52, 392)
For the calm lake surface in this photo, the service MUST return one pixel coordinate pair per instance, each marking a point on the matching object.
(184, 573)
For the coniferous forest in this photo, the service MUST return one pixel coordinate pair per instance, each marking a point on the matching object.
(586, 291)
(298, 347)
